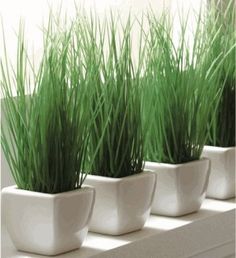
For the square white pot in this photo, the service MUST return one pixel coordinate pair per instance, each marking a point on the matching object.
(122, 204)
(222, 178)
(180, 188)
(47, 224)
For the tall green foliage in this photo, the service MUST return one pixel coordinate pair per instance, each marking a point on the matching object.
(46, 133)
(221, 29)
(180, 93)
(85, 111)
(118, 125)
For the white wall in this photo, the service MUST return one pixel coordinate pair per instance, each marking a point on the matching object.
(33, 12)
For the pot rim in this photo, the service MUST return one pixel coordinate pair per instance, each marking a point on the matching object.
(113, 179)
(185, 164)
(218, 148)
(13, 189)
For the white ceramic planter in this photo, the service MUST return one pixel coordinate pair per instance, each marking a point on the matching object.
(122, 204)
(222, 178)
(47, 224)
(180, 188)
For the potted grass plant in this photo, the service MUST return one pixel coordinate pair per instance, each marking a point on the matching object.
(124, 191)
(44, 139)
(220, 146)
(178, 100)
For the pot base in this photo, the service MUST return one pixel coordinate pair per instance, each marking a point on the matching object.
(122, 204)
(222, 178)
(47, 224)
(181, 188)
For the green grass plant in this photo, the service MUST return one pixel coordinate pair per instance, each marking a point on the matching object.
(222, 129)
(45, 134)
(180, 92)
(118, 125)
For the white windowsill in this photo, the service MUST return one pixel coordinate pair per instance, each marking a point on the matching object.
(208, 233)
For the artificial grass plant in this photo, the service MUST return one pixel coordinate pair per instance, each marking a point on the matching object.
(45, 134)
(221, 29)
(180, 93)
(118, 124)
